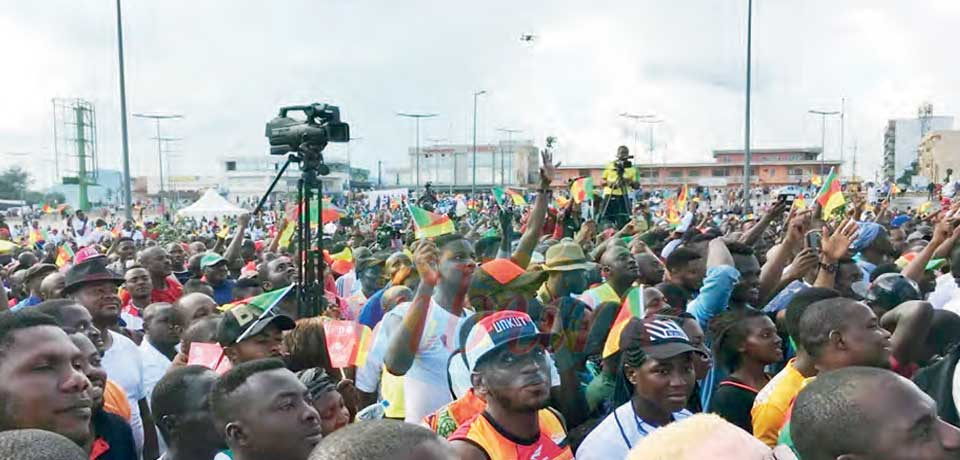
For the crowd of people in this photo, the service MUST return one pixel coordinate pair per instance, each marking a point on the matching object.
(525, 331)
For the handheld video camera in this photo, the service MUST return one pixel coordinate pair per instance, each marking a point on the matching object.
(321, 125)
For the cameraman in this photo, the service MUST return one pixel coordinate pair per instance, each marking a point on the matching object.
(618, 209)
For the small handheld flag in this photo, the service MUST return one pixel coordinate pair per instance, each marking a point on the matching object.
(582, 190)
(428, 224)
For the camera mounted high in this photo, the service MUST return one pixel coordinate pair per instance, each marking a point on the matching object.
(309, 137)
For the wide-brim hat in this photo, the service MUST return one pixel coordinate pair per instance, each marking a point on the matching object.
(92, 270)
(39, 270)
(565, 256)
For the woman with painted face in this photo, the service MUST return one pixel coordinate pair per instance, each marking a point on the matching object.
(745, 342)
(658, 371)
(326, 399)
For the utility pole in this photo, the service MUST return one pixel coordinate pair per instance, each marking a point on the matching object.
(473, 188)
(510, 133)
(843, 106)
(379, 174)
(417, 116)
(746, 129)
(854, 175)
(127, 197)
(349, 164)
(436, 158)
(823, 134)
(156, 119)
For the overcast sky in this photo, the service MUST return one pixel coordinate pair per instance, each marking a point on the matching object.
(228, 65)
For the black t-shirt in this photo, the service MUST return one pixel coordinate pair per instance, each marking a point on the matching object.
(118, 436)
(733, 400)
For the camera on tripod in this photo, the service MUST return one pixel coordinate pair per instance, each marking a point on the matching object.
(308, 137)
(622, 163)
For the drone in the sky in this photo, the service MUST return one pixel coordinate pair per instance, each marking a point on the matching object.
(528, 38)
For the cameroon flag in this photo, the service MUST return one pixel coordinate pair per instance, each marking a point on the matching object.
(500, 194)
(632, 307)
(582, 190)
(428, 224)
(830, 196)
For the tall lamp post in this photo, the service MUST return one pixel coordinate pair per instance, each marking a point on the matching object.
(127, 197)
(350, 164)
(746, 129)
(473, 188)
(156, 118)
(417, 117)
(823, 133)
(510, 133)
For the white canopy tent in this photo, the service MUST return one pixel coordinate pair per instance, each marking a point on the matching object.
(211, 205)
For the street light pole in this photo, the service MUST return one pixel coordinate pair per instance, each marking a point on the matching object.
(510, 133)
(473, 188)
(127, 197)
(156, 118)
(746, 130)
(417, 116)
(349, 164)
(823, 134)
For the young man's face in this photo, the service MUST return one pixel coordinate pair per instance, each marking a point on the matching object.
(516, 376)
(216, 274)
(137, 282)
(916, 433)
(280, 273)
(195, 425)
(867, 344)
(267, 344)
(278, 421)
(126, 250)
(41, 385)
(747, 290)
(162, 324)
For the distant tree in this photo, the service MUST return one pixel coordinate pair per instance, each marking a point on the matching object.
(13, 183)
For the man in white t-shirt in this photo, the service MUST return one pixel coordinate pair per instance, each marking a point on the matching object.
(424, 333)
(94, 286)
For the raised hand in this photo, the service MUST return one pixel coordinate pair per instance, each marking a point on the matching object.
(548, 170)
(427, 259)
(836, 244)
(802, 264)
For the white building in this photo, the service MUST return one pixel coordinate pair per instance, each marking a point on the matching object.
(452, 165)
(247, 177)
(902, 141)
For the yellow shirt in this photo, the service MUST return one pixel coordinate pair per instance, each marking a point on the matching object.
(610, 177)
(391, 388)
(770, 408)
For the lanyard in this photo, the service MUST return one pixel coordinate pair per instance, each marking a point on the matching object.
(638, 420)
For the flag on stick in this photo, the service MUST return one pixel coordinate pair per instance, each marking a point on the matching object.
(347, 343)
(428, 224)
(582, 190)
(632, 307)
(830, 196)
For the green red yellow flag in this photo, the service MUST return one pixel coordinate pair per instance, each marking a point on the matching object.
(347, 342)
(47, 209)
(501, 194)
(64, 255)
(428, 224)
(256, 307)
(582, 190)
(632, 307)
(830, 197)
(682, 199)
